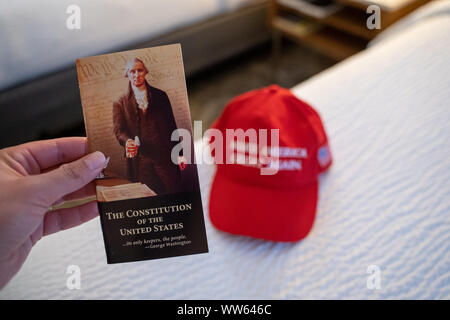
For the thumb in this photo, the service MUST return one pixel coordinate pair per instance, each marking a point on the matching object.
(69, 177)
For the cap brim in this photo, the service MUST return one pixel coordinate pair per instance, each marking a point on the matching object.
(260, 212)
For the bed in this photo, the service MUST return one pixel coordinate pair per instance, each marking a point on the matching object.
(384, 202)
(37, 58)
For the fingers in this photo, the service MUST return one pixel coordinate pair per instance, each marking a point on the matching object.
(68, 218)
(86, 191)
(69, 177)
(131, 151)
(83, 193)
(129, 143)
(39, 155)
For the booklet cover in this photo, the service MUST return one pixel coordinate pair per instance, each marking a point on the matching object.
(135, 105)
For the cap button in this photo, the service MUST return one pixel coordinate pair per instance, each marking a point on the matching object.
(273, 88)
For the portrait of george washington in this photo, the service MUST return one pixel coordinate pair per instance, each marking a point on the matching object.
(143, 125)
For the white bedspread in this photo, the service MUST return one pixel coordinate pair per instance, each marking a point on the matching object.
(35, 40)
(384, 202)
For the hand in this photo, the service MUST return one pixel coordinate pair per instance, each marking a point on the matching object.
(33, 177)
(182, 162)
(131, 148)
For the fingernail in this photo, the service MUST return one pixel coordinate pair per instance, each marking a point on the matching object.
(95, 160)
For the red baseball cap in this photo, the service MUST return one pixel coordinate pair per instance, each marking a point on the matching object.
(279, 206)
